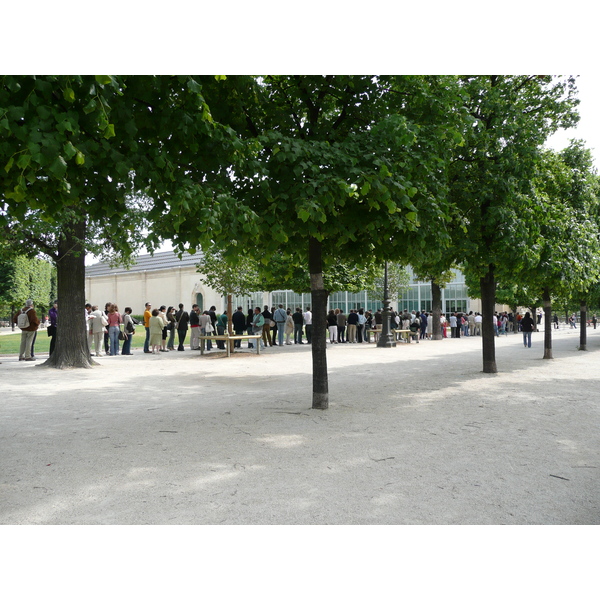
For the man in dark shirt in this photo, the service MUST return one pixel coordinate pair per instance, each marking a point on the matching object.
(238, 321)
(298, 319)
(267, 328)
(182, 319)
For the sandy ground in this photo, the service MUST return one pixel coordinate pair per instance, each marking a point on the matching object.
(414, 435)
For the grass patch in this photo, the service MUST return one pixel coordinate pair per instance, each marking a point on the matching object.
(11, 343)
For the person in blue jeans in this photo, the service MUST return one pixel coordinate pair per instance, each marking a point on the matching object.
(527, 326)
(280, 317)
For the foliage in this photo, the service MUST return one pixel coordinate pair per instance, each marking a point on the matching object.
(227, 276)
(75, 153)
(497, 217)
(397, 282)
(22, 278)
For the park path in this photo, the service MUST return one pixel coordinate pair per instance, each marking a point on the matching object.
(414, 435)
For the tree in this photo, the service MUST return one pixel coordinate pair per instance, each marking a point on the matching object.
(491, 175)
(397, 282)
(329, 167)
(568, 259)
(22, 278)
(73, 149)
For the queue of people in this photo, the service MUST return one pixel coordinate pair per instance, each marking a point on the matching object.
(110, 333)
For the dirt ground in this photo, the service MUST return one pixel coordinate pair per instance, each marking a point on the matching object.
(416, 435)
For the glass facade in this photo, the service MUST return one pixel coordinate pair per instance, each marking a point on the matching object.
(416, 297)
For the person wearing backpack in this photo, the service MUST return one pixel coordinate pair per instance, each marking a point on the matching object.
(28, 322)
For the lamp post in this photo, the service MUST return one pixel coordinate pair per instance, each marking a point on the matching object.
(386, 339)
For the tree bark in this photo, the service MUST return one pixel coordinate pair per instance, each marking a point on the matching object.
(547, 323)
(488, 302)
(319, 325)
(436, 311)
(71, 350)
(582, 326)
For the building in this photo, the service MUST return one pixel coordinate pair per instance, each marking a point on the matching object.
(166, 279)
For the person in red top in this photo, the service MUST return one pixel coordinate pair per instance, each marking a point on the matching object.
(27, 332)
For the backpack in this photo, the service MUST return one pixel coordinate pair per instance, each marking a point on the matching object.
(23, 320)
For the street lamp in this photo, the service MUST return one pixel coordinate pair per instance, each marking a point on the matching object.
(386, 339)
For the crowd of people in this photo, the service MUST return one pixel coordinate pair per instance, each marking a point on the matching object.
(110, 332)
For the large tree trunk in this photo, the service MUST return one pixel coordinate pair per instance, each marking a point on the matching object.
(72, 350)
(488, 303)
(436, 311)
(583, 326)
(547, 323)
(319, 327)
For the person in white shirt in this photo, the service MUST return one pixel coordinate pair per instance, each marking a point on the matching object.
(308, 324)
(478, 321)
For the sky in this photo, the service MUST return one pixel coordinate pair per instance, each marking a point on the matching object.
(588, 128)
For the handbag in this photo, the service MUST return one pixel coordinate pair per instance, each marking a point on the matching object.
(209, 328)
(122, 335)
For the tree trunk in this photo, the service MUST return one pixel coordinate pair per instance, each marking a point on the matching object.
(582, 326)
(488, 303)
(71, 350)
(319, 325)
(436, 311)
(547, 323)
(534, 317)
(515, 324)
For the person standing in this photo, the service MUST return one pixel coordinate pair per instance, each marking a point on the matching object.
(258, 323)
(162, 313)
(238, 322)
(280, 317)
(341, 323)
(128, 330)
(352, 323)
(289, 326)
(114, 326)
(527, 326)
(147, 315)
(453, 325)
(156, 328)
(28, 322)
(195, 328)
(266, 331)
(53, 314)
(308, 325)
(171, 327)
(298, 325)
(332, 326)
(97, 322)
(221, 329)
(206, 328)
(249, 326)
(182, 326)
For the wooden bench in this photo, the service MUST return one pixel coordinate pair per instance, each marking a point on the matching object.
(375, 332)
(228, 338)
(404, 335)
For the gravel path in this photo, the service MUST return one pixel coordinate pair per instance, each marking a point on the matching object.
(414, 435)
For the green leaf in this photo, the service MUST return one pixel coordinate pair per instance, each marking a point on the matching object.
(80, 158)
(109, 131)
(366, 188)
(24, 161)
(9, 164)
(58, 168)
(90, 106)
(69, 95)
(220, 77)
(411, 216)
(70, 150)
(104, 79)
(303, 214)
(412, 191)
